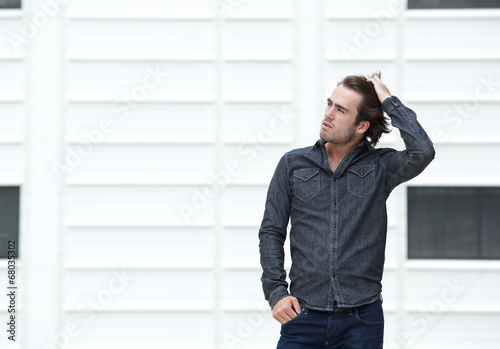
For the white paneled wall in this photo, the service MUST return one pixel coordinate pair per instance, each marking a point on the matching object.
(168, 119)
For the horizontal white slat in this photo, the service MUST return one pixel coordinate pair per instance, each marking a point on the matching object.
(460, 122)
(177, 98)
(240, 286)
(152, 247)
(457, 309)
(442, 330)
(452, 14)
(457, 181)
(257, 57)
(129, 288)
(137, 205)
(113, 222)
(12, 42)
(12, 75)
(264, 329)
(134, 346)
(442, 79)
(125, 181)
(463, 161)
(360, 56)
(238, 248)
(366, 7)
(432, 56)
(243, 205)
(11, 56)
(144, 162)
(11, 14)
(449, 97)
(158, 38)
(157, 307)
(277, 15)
(146, 9)
(96, 55)
(106, 264)
(5, 180)
(456, 290)
(138, 81)
(249, 38)
(346, 15)
(452, 265)
(491, 141)
(256, 162)
(13, 140)
(138, 140)
(138, 329)
(147, 123)
(336, 71)
(463, 37)
(255, 9)
(12, 161)
(7, 97)
(110, 14)
(360, 38)
(392, 246)
(266, 80)
(254, 97)
(113, 98)
(254, 141)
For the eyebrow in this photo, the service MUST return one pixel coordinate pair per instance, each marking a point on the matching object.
(337, 105)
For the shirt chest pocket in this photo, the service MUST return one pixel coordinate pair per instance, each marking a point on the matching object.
(306, 183)
(361, 180)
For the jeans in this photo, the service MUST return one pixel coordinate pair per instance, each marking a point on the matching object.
(347, 328)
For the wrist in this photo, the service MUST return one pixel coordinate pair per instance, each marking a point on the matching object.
(384, 98)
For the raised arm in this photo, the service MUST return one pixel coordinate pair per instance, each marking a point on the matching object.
(404, 165)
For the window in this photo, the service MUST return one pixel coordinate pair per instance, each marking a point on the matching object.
(9, 218)
(451, 4)
(10, 4)
(454, 222)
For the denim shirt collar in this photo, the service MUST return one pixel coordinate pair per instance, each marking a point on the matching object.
(361, 148)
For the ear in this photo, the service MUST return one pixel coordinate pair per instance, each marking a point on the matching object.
(363, 126)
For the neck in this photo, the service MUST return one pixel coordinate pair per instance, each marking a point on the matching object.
(337, 152)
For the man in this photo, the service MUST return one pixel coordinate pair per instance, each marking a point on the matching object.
(334, 194)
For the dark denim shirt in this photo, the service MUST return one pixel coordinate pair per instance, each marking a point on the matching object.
(338, 219)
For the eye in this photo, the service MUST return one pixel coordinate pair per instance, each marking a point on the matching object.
(341, 110)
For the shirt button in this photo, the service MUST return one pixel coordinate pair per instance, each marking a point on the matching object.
(334, 225)
(333, 275)
(333, 249)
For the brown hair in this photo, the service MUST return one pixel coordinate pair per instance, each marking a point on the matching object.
(370, 108)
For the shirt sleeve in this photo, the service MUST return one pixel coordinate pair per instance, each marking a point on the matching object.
(272, 235)
(409, 163)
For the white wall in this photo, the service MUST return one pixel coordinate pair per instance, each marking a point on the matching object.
(107, 257)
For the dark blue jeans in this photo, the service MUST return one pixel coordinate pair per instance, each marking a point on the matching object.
(347, 328)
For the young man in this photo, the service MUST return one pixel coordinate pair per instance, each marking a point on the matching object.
(334, 194)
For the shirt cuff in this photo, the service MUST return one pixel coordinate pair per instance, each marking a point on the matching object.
(391, 102)
(277, 295)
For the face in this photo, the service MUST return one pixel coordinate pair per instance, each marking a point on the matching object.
(338, 126)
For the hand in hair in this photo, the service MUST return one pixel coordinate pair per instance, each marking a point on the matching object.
(381, 89)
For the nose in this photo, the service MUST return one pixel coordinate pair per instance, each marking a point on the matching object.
(329, 114)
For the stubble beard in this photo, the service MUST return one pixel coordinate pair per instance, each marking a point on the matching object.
(338, 137)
